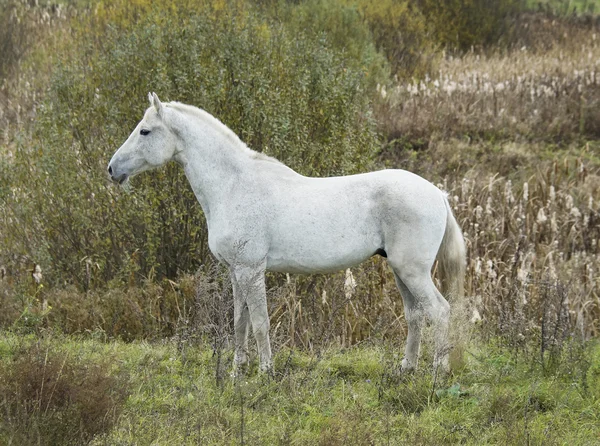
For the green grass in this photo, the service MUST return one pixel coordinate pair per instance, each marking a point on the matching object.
(354, 396)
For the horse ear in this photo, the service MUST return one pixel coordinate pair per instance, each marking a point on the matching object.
(156, 103)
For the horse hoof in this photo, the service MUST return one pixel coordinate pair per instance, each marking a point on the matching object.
(266, 369)
(240, 369)
(407, 367)
(441, 367)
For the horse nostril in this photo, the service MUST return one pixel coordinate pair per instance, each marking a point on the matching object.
(110, 170)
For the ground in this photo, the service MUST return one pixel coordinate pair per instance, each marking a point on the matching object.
(178, 393)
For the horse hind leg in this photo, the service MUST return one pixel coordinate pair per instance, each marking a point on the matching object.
(421, 298)
(442, 341)
(414, 319)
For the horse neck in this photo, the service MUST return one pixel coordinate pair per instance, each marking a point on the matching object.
(211, 159)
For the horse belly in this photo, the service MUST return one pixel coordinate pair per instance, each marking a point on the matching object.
(308, 249)
(315, 265)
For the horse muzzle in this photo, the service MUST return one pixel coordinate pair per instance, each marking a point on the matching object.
(116, 177)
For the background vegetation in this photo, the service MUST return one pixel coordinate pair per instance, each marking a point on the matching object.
(497, 102)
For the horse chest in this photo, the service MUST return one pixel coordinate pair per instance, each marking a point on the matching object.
(237, 237)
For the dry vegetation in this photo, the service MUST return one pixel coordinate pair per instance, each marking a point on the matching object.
(529, 93)
(50, 397)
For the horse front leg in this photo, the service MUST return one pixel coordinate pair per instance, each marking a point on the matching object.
(250, 287)
(241, 324)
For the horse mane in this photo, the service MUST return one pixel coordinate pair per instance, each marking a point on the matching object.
(227, 132)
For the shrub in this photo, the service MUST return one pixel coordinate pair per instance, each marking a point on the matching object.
(27, 32)
(462, 24)
(291, 96)
(401, 32)
(344, 25)
(19, 29)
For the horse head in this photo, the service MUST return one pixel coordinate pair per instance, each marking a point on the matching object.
(150, 145)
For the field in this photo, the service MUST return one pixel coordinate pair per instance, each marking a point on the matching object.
(170, 392)
(115, 320)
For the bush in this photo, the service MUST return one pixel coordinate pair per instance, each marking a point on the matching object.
(293, 96)
(462, 24)
(19, 29)
(28, 32)
(344, 26)
(401, 32)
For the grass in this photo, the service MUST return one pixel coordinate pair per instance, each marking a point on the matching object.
(339, 397)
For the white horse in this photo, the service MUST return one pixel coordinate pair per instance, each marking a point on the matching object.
(262, 215)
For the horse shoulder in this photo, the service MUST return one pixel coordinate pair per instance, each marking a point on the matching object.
(237, 232)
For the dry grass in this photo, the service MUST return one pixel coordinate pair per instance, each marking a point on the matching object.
(548, 94)
(528, 240)
(48, 396)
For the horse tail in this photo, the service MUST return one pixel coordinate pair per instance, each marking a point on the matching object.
(452, 259)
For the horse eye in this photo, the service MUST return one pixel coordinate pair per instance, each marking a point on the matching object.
(144, 132)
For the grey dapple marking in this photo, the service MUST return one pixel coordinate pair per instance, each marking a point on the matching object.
(262, 215)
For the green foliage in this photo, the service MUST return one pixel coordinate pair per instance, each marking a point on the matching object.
(409, 32)
(401, 31)
(13, 35)
(290, 94)
(566, 7)
(342, 24)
